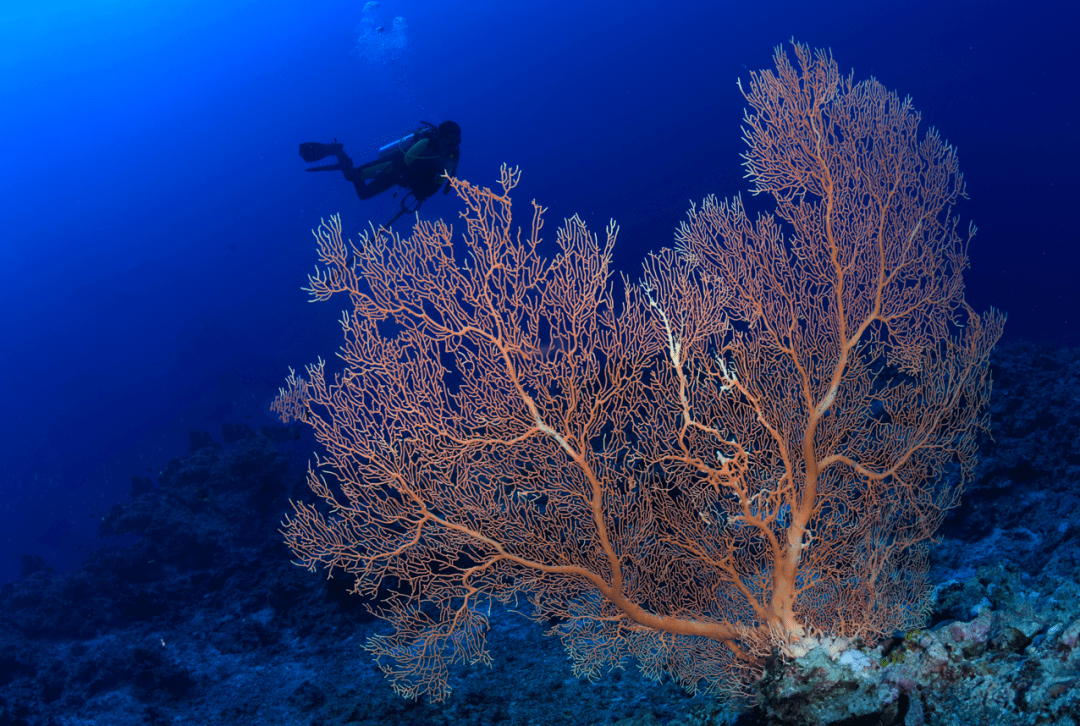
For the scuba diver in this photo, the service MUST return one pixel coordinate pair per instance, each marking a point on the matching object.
(417, 162)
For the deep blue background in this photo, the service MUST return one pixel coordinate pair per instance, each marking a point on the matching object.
(155, 213)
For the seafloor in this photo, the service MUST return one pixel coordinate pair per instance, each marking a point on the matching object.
(192, 612)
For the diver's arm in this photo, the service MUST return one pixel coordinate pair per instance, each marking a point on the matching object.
(415, 151)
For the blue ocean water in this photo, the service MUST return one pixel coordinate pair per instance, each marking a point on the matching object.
(155, 214)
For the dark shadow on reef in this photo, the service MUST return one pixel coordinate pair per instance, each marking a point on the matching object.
(193, 611)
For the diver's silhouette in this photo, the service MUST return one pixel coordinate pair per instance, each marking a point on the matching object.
(417, 161)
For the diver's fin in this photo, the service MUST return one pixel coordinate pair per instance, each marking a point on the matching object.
(313, 150)
(328, 167)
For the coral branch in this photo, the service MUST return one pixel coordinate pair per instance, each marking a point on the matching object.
(754, 444)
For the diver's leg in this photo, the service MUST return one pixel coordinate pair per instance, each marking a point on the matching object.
(379, 184)
(372, 178)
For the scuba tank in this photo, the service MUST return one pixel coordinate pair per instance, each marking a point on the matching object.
(401, 145)
(405, 142)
